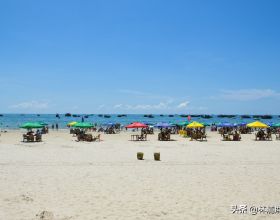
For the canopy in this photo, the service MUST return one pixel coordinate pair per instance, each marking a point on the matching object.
(136, 125)
(277, 125)
(72, 123)
(227, 125)
(30, 125)
(242, 124)
(195, 125)
(205, 124)
(183, 123)
(83, 125)
(163, 125)
(42, 123)
(257, 124)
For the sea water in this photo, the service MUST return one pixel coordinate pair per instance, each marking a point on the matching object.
(13, 121)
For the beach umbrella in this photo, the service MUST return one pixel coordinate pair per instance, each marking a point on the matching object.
(163, 125)
(227, 125)
(30, 125)
(195, 124)
(277, 125)
(136, 125)
(42, 123)
(205, 124)
(183, 123)
(83, 125)
(257, 124)
(242, 124)
(72, 123)
(109, 124)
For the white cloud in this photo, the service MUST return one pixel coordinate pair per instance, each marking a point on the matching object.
(161, 105)
(117, 106)
(31, 105)
(168, 105)
(248, 94)
(183, 104)
(144, 94)
(101, 106)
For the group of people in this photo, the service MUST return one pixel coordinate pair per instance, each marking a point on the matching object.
(262, 135)
(30, 136)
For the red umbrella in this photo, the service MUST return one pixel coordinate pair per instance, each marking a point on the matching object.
(136, 125)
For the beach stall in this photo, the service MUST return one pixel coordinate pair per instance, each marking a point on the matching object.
(197, 132)
(261, 134)
(81, 132)
(30, 136)
(136, 137)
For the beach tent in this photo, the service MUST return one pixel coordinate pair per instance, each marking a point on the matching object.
(137, 125)
(257, 124)
(72, 123)
(195, 124)
(83, 125)
(30, 125)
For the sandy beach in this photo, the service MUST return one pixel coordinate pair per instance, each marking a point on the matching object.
(104, 180)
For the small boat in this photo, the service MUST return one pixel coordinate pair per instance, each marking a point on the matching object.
(68, 115)
(195, 116)
(245, 116)
(266, 117)
(148, 116)
(207, 116)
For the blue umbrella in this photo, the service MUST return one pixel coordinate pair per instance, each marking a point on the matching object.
(163, 125)
(226, 125)
(109, 124)
(242, 124)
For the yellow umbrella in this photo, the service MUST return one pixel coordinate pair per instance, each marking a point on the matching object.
(72, 123)
(257, 124)
(195, 125)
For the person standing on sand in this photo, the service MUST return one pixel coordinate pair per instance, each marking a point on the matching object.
(56, 126)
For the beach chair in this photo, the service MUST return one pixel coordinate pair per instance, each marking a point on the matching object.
(204, 136)
(268, 137)
(97, 138)
(25, 137)
(142, 137)
(38, 137)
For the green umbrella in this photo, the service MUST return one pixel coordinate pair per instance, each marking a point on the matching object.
(183, 123)
(83, 125)
(205, 124)
(277, 125)
(42, 123)
(30, 125)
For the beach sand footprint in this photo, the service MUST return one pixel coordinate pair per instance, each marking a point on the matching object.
(26, 198)
(45, 215)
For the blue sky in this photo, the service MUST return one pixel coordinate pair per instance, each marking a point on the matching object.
(145, 56)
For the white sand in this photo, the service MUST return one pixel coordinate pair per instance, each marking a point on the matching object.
(193, 180)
